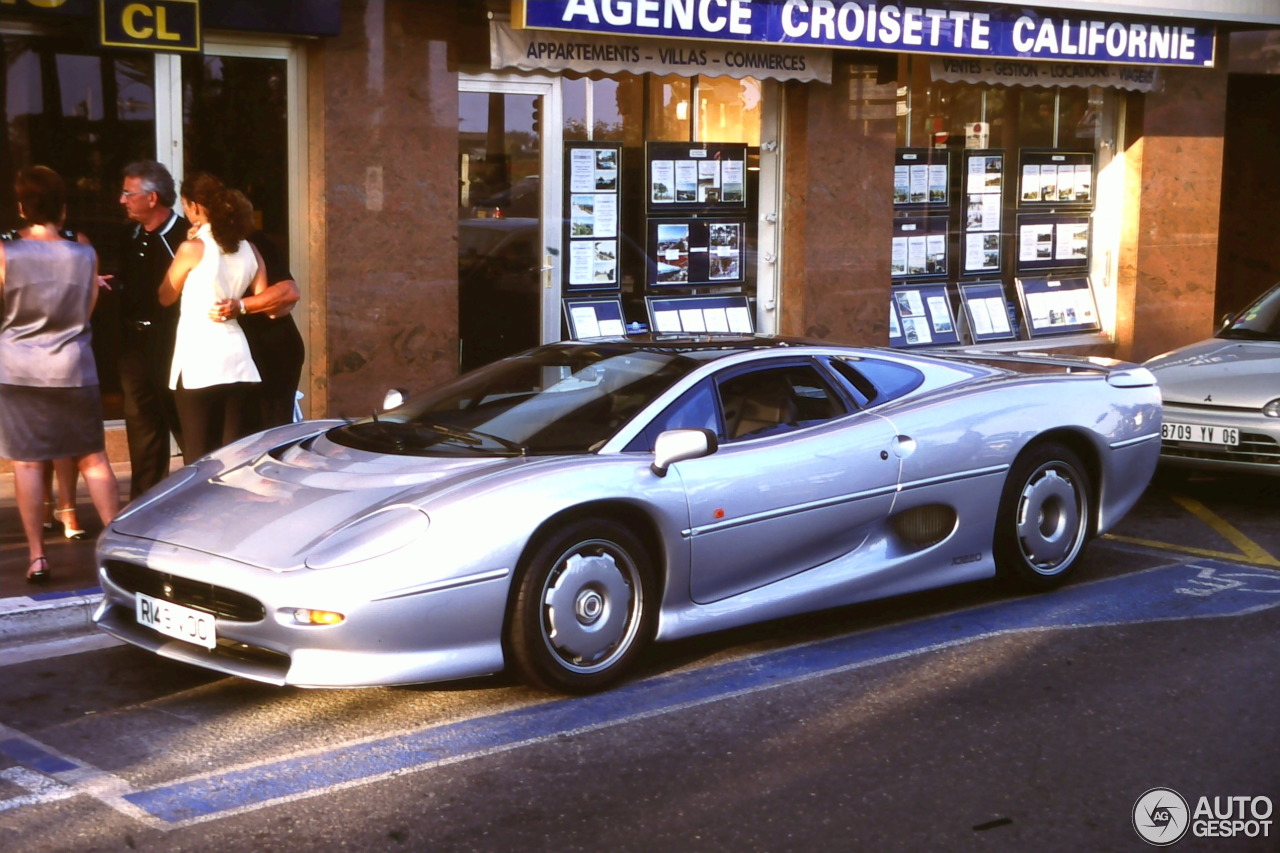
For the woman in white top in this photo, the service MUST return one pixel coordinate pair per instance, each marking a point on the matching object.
(212, 371)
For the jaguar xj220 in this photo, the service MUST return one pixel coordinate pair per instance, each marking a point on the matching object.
(555, 512)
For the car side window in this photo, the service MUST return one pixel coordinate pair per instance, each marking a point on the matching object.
(776, 399)
(696, 409)
(876, 381)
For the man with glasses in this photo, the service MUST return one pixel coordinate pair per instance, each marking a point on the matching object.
(146, 343)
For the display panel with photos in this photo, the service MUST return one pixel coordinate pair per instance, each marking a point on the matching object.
(592, 203)
(920, 246)
(594, 317)
(920, 315)
(983, 193)
(1055, 306)
(695, 177)
(1055, 179)
(688, 252)
(728, 314)
(921, 178)
(986, 311)
(1053, 241)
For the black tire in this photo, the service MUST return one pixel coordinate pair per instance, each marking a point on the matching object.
(584, 608)
(1045, 517)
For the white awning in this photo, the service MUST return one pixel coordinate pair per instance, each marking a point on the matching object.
(582, 53)
(1012, 72)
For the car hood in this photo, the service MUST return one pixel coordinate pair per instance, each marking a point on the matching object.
(279, 508)
(1220, 372)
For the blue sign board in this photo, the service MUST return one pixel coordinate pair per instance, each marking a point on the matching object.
(942, 28)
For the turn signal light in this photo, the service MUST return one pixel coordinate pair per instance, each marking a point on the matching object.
(317, 617)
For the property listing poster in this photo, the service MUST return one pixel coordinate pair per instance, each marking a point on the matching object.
(920, 316)
(1055, 179)
(1054, 306)
(704, 177)
(1053, 241)
(921, 177)
(983, 193)
(592, 216)
(694, 251)
(701, 314)
(919, 247)
(594, 317)
(987, 310)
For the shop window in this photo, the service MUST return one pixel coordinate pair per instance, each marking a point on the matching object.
(639, 111)
(670, 109)
(234, 125)
(1010, 253)
(85, 116)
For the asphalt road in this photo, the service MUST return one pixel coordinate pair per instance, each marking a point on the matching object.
(964, 719)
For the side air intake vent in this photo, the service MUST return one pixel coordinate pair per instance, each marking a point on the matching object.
(924, 525)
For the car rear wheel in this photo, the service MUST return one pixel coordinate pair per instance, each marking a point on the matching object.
(1043, 521)
(583, 609)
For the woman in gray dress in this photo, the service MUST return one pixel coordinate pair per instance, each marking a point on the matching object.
(50, 406)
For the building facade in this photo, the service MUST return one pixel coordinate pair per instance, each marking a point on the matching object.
(455, 181)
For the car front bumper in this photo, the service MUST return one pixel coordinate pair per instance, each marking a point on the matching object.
(432, 635)
(1257, 453)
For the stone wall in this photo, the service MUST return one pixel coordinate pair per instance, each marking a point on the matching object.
(384, 114)
(838, 210)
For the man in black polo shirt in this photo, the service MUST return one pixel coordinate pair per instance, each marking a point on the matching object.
(147, 334)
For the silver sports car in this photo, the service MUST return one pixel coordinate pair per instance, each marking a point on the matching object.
(1222, 395)
(556, 511)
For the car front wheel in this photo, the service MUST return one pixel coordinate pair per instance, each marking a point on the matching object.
(583, 608)
(1043, 521)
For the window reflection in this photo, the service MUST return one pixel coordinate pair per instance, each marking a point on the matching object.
(235, 125)
(86, 116)
(83, 115)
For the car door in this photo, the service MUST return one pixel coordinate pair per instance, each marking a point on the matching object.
(799, 479)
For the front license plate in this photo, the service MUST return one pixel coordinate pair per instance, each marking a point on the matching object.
(1200, 434)
(174, 620)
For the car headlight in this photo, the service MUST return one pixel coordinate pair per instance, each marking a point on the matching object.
(374, 535)
(1272, 409)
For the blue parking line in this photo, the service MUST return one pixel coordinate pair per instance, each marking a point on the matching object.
(1204, 589)
(31, 756)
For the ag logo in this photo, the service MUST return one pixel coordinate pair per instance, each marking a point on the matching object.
(1161, 816)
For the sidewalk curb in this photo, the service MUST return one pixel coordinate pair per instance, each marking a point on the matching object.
(48, 616)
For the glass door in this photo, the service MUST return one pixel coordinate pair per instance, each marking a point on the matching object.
(509, 169)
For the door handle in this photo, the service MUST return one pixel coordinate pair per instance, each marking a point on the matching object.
(903, 446)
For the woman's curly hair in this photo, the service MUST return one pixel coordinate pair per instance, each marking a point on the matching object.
(230, 212)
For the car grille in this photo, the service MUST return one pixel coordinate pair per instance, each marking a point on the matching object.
(220, 601)
(1254, 449)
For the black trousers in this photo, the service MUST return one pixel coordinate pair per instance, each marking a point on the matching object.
(278, 352)
(149, 414)
(213, 417)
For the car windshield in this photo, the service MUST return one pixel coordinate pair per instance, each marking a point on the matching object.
(1259, 322)
(555, 399)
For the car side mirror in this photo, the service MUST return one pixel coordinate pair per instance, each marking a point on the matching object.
(392, 398)
(677, 445)
(1225, 321)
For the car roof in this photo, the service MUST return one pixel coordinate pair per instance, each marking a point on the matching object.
(707, 347)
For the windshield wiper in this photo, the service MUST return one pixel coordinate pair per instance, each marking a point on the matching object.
(475, 437)
(1242, 334)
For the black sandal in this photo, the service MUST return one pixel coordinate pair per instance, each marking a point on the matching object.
(40, 575)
